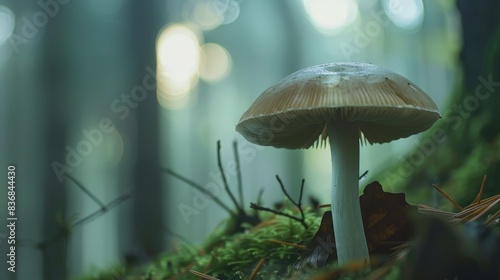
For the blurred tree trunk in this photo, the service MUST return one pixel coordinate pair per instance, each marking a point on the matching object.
(35, 137)
(466, 140)
(148, 221)
(54, 74)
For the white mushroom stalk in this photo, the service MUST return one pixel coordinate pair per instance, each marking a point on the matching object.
(350, 237)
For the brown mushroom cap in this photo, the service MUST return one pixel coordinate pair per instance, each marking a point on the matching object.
(293, 113)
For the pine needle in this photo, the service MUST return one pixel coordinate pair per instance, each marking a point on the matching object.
(480, 194)
(288, 244)
(203, 275)
(469, 213)
(448, 197)
(257, 269)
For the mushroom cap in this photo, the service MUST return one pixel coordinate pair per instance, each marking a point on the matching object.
(294, 112)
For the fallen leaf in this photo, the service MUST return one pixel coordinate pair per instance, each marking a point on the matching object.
(385, 219)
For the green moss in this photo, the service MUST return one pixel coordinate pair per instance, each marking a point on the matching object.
(232, 256)
(238, 254)
(117, 271)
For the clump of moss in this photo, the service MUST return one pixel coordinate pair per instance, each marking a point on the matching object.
(235, 256)
(116, 271)
(232, 256)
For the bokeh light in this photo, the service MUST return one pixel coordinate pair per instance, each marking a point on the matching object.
(215, 62)
(209, 14)
(178, 58)
(406, 14)
(329, 16)
(7, 24)
(232, 12)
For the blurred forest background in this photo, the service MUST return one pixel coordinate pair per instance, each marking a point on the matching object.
(112, 91)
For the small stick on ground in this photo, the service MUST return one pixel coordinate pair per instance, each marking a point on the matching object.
(448, 197)
(288, 244)
(224, 180)
(200, 188)
(298, 204)
(363, 175)
(65, 231)
(238, 172)
(481, 190)
(86, 191)
(492, 218)
(203, 275)
(257, 269)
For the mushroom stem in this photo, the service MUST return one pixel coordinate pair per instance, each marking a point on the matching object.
(350, 238)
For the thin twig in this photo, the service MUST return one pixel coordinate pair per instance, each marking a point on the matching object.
(324, 205)
(298, 204)
(484, 210)
(448, 197)
(286, 193)
(480, 194)
(257, 207)
(422, 208)
(363, 175)
(224, 180)
(288, 244)
(259, 196)
(492, 218)
(300, 196)
(105, 209)
(200, 188)
(483, 201)
(238, 172)
(257, 269)
(85, 190)
(66, 230)
(203, 275)
(476, 207)
(475, 210)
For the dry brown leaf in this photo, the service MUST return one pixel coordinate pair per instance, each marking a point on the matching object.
(386, 223)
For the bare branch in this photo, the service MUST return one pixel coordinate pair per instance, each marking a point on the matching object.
(85, 190)
(363, 175)
(200, 188)
(238, 172)
(298, 204)
(224, 180)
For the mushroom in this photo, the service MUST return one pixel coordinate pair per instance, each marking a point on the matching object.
(344, 103)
